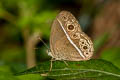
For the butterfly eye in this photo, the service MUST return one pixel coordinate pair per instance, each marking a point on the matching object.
(70, 27)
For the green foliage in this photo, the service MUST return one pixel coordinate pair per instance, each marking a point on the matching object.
(30, 77)
(6, 74)
(92, 69)
(42, 22)
(112, 55)
(15, 54)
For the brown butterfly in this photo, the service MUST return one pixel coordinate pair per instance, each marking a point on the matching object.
(68, 41)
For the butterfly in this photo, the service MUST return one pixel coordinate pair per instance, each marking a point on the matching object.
(67, 40)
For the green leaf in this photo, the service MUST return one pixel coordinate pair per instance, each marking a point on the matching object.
(91, 69)
(30, 77)
(6, 74)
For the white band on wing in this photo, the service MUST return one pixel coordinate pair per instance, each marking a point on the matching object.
(70, 39)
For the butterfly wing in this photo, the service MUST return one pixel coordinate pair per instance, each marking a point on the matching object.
(56, 35)
(66, 38)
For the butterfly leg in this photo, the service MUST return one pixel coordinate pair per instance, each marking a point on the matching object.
(51, 61)
(66, 63)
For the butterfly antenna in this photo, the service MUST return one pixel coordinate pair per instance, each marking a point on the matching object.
(44, 43)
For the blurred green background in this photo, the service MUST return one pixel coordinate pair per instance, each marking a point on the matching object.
(23, 22)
